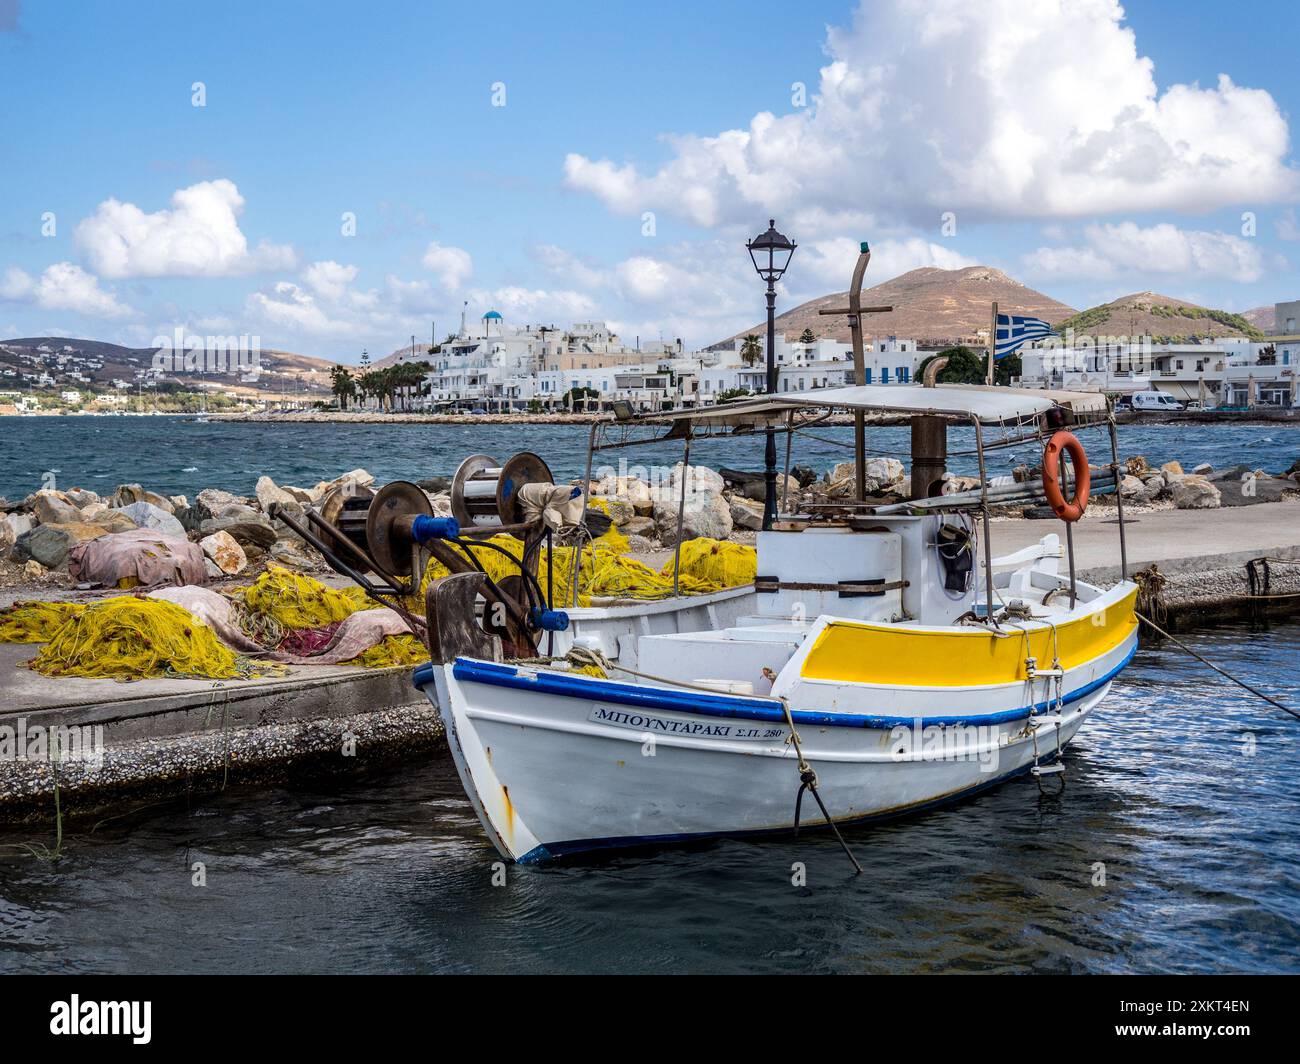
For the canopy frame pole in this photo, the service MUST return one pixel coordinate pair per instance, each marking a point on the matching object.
(984, 512)
(789, 443)
(582, 523)
(681, 513)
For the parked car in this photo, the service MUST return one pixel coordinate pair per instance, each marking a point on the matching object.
(1123, 404)
(1155, 401)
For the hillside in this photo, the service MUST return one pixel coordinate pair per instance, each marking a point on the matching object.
(933, 306)
(95, 365)
(1263, 318)
(1163, 318)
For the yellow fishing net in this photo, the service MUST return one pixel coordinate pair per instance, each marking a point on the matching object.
(392, 650)
(707, 565)
(35, 622)
(613, 539)
(129, 638)
(716, 562)
(297, 601)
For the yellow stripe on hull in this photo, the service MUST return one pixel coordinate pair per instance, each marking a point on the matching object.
(853, 652)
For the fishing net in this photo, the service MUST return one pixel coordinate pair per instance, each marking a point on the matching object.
(716, 562)
(128, 638)
(605, 572)
(35, 622)
(296, 601)
(391, 651)
(613, 539)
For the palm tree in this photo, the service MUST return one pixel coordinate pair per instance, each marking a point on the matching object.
(751, 351)
(342, 385)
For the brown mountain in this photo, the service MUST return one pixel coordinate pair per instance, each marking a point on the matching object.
(1163, 318)
(1263, 318)
(933, 306)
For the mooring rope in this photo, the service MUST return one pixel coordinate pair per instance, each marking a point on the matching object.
(1222, 672)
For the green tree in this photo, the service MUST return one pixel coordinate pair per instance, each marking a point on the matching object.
(807, 337)
(969, 367)
(751, 350)
(342, 385)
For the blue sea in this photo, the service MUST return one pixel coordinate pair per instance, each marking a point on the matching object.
(181, 456)
(1173, 849)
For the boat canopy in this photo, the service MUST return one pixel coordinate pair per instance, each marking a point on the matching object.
(989, 405)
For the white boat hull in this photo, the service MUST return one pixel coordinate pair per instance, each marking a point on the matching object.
(558, 764)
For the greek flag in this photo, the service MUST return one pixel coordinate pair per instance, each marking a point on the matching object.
(1016, 330)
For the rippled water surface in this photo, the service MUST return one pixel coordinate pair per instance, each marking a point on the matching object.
(390, 873)
(178, 456)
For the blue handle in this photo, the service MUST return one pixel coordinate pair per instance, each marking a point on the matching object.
(548, 620)
(426, 528)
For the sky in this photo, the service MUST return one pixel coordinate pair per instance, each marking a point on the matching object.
(335, 177)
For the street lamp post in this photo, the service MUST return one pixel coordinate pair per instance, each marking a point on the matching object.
(771, 253)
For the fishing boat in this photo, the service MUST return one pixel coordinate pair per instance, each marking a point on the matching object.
(883, 662)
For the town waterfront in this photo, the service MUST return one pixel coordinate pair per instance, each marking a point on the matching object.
(182, 456)
(1173, 849)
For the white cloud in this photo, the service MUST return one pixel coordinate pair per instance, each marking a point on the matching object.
(561, 263)
(1011, 108)
(1110, 251)
(451, 265)
(199, 236)
(63, 286)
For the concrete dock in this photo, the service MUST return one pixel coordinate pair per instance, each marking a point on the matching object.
(173, 736)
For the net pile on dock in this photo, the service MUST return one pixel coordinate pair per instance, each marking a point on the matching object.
(128, 638)
(297, 601)
(35, 622)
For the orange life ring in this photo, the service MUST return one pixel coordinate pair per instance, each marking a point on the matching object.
(1072, 509)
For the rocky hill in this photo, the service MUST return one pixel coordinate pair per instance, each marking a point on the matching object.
(933, 306)
(1261, 317)
(1163, 318)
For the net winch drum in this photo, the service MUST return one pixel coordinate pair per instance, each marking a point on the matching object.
(485, 493)
(389, 524)
(345, 511)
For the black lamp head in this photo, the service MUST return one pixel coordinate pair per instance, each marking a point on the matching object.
(771, 252)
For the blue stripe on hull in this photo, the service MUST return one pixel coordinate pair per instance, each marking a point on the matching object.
(708, 705)
(555, 850)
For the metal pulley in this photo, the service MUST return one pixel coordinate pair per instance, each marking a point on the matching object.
(485, 492)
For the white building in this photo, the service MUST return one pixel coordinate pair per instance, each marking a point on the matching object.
(805, 367)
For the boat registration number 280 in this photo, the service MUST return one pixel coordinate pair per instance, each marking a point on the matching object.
(656, 725)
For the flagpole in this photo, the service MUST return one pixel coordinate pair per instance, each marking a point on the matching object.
(993, 339)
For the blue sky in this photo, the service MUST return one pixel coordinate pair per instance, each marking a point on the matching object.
(1059, 167)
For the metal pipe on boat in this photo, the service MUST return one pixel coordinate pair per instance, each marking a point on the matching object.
(984, 510)
(586, 492)
(681, 514)
(1119, 498)
(1069, 533)
(929, 455)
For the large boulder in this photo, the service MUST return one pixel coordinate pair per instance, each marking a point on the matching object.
(128, 494)
(113, 520)
(1132, 488)
(54, 508)
(15, 526)
(83, 497)
(350, 481)
(745, 513)
(706, 514)
(211, 501)
(149, 515)
(269, 493)
(257, 532)
(756, 490)
(225, 553)
(1194, 493)
(630, 489)
(1172, 467)
(700, 480)
(639, 526)
(50, 544)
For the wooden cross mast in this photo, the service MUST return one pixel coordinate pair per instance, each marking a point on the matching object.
(855, 310)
